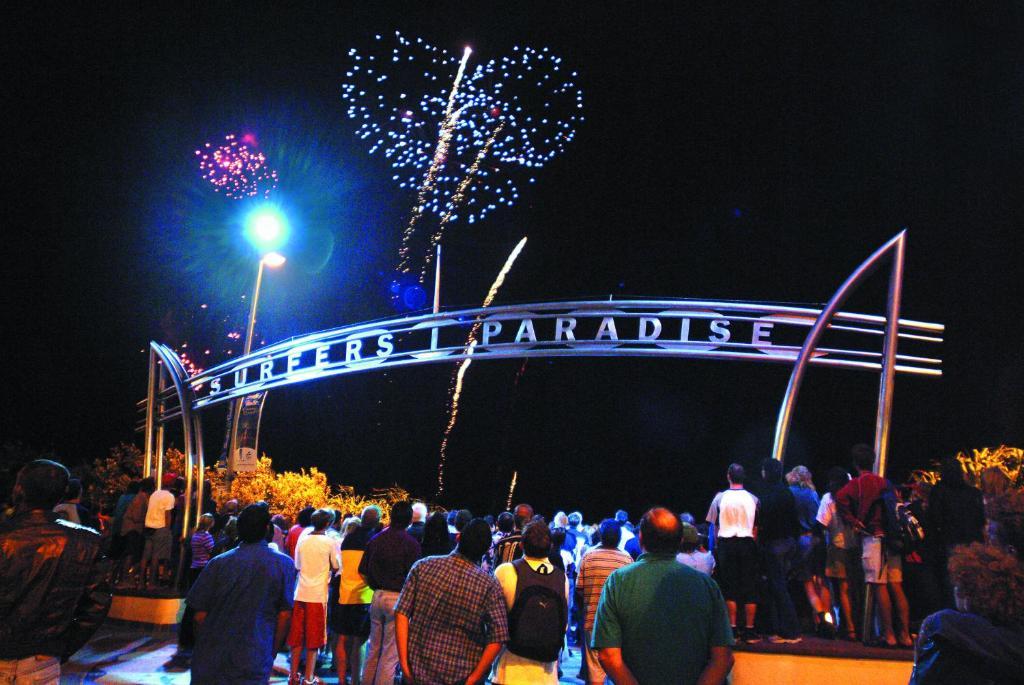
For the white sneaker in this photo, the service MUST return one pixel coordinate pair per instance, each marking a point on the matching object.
(779, 640)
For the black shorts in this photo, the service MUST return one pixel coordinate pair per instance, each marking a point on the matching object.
(737, 569)
(133, 544)
(351, 619)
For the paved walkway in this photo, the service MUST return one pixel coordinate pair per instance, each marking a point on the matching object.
(123, 656)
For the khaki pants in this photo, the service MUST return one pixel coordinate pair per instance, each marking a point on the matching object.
(33, 670)
(595, 672)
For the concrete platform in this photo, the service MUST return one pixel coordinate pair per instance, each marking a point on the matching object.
(121, 655)
(146, 610)
(815, 660)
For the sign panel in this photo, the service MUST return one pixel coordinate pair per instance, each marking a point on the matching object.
(653, 328)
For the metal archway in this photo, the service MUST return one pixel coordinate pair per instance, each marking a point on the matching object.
(678, 328)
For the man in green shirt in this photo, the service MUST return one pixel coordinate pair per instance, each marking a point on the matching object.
(659, 621)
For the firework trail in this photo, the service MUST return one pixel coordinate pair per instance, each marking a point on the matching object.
(511, 490)
(455, 390)
(451, 118)
(456, 201)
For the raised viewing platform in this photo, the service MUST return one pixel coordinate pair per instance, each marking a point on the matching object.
(138, 645)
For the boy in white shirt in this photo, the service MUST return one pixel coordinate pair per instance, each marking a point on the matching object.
(317, 556)
(734, 513)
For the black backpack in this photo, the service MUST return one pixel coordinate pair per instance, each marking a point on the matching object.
(538, 616)
(903, 532)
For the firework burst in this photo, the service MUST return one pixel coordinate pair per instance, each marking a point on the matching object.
(398, 95)
(236, 168)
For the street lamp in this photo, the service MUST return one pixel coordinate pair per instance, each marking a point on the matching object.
(267, 230)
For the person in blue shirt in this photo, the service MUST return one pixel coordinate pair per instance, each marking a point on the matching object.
(810, 568)
(242, 602)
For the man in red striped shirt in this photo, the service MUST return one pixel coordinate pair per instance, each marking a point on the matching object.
(595, 567)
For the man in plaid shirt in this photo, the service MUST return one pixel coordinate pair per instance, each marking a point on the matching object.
(450, 620)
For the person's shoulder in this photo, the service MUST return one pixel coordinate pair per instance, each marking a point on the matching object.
(504, 572)
(936, 623)
(505, 567)
(352, 542)
(78, 530)
(620, 555)
(625, 571)
(218, 561)
(425, 564)
(277, 557)
(481, 576)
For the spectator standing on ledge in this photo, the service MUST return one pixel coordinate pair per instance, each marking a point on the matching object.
(450, 620)
(133, 527)
(510, 547)
(733, 513)
(157, 549)
(860, 503)
(536, 595)
(389, 556)
(53, 590)
(595, 567)
(317, 556)
(659, 621)
(842, 560)
(778, 531)
(956, 516)
(242, 602)
(810, 564)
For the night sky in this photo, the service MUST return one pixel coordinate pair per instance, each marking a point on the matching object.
(755, 152)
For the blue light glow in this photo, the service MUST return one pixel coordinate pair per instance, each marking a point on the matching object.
(266, 228)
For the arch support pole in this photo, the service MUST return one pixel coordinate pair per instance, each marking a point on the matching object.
(147, 452)
(888, 377)
(189, 424)
(895, 247)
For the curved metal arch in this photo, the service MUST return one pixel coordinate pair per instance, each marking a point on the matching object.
(191, 429)
(896, 246)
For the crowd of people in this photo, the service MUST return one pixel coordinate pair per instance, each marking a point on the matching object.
(448, 597)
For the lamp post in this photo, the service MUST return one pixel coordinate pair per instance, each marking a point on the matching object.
(266, 230)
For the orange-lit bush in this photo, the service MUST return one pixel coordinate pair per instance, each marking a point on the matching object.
(1008, 460)
(287, 492)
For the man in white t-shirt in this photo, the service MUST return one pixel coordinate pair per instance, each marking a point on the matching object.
(734, 514)
(317, 556)
(510, 668)
(157, 549)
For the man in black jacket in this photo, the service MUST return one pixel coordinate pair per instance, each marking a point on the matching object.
(53, 581)
(778, 529)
